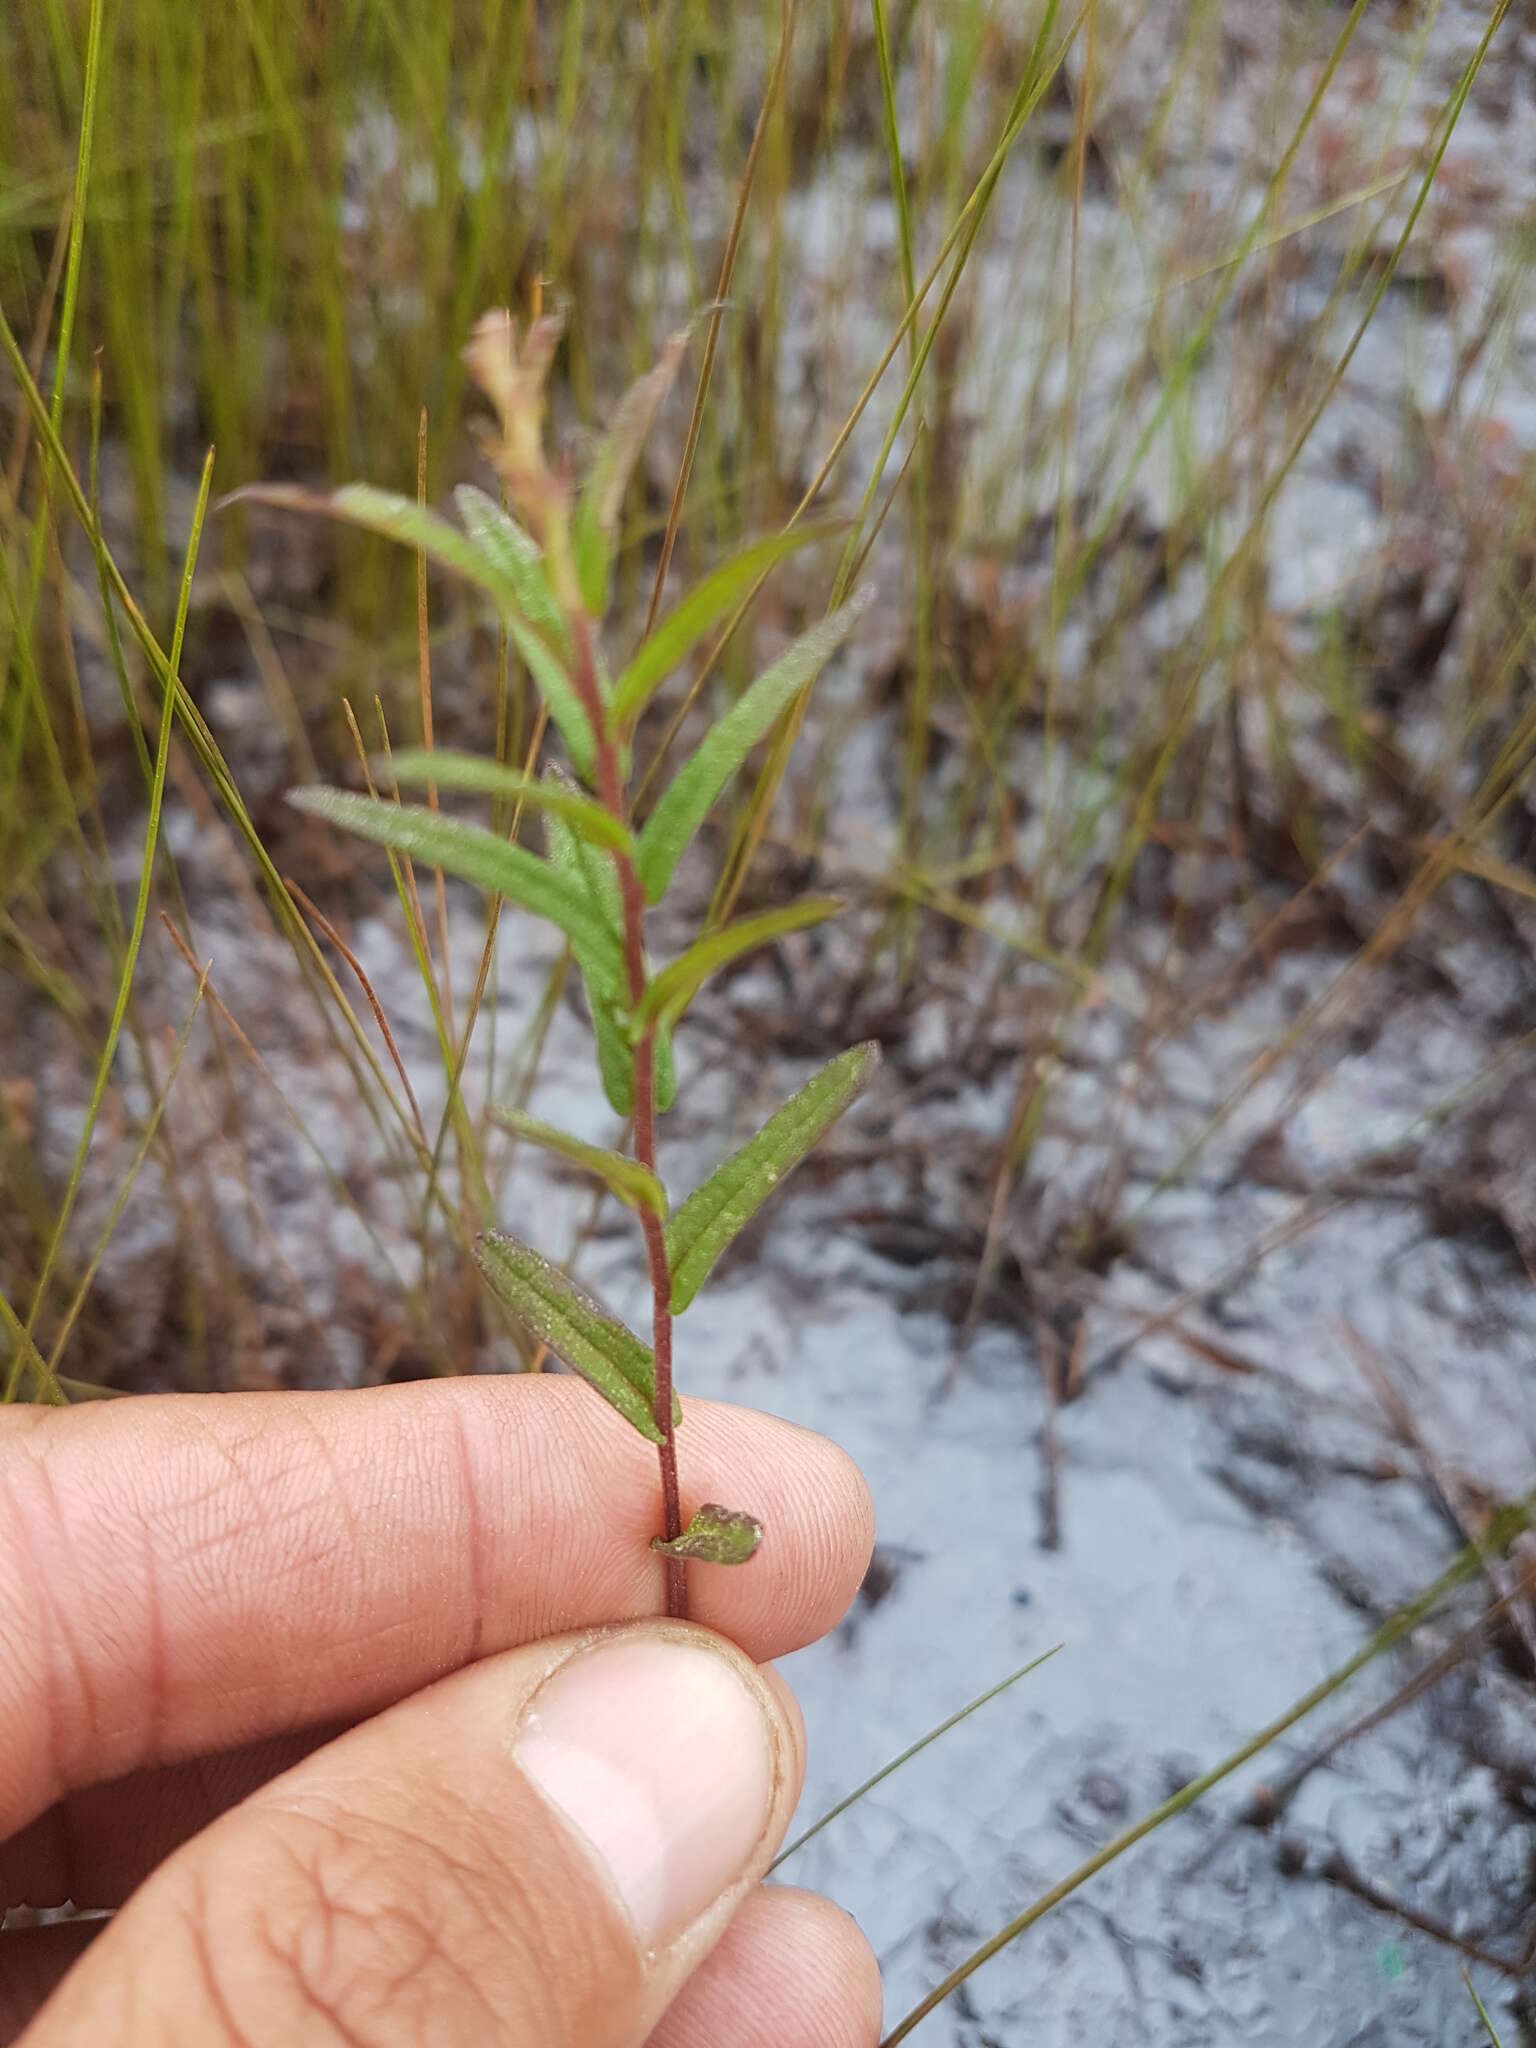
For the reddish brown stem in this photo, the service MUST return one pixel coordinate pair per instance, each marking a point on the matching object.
(610, 789)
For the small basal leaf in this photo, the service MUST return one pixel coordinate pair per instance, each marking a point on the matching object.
(481, 857)
(669, 993)
(635, 1185)
(724, 1204)
(485, 557)
(567, 1319)
(698, 614)
(715, 1535)
(477, 774)
(602, 500)
(693, 790)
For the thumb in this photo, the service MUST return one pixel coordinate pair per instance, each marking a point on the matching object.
(538, 1851)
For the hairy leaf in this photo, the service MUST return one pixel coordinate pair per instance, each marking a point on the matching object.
(574, 1326)
(476, 773)
(493, 563)
(517, 557)
(615, 1055)
(692, 792)
(698, 614)
(635, 1185)
(724, 1204)
(715, 1535)
(597, 513)
(592, 872)
(669, 993)
(485, 859)
(664, 1069)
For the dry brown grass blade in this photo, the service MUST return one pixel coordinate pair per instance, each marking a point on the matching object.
(424, 686)
(318, 917)
(717, 309)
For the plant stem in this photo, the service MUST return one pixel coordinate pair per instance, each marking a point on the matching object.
(610, 789)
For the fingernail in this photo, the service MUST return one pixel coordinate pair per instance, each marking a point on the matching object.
(661, 1758)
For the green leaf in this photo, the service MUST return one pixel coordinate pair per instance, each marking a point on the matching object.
(635, 1185)
(518, 560)
(723, 1206)
(602, 500)
(574, 1326)
(593, 873)
(615, 1056)
(487, 557)
(669, 993)
(715, 1535)
(700, 611)
(475, 773)
(481, 857)
(692, 792)
(664, 1070)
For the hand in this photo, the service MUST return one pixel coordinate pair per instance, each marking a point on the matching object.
(328, 1688)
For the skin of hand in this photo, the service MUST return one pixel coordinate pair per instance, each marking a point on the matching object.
(358, 1712)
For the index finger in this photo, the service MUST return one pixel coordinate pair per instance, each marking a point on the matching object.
(185, 1573)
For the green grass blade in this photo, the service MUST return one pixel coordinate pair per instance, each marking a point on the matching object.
(73, 264)
(698, 614)
(141, 906)
(120, 1200)
(1502, 1529)
(635, 1185)
(24, 1353)
(912, 1750)
(722, 1206)
(479, 775)
(669, 993)
(608, 1356)
(476, 855)
(493, 565)
(1482, 2011)
(694, 789)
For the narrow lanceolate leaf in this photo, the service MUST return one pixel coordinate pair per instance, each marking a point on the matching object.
(517, 557)
(485, 557)
(602, 500)
(476, 773)
(481, 857)
(716, 1211)
(634, 1184)
(698, 614)
(692, 792)
(715, 1535)
(669, 993)
(592, 871)
(574, 1326)
(615, 1056)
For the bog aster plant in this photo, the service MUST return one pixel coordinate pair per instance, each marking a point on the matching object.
(544, 558)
